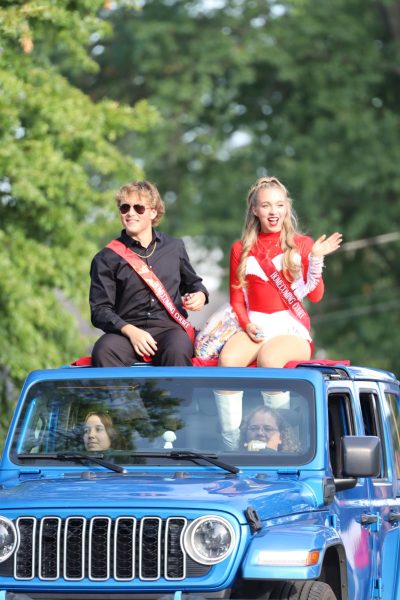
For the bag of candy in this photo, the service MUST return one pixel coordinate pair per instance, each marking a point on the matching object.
(216, 332)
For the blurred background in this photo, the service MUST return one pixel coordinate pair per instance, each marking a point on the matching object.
(201, 98)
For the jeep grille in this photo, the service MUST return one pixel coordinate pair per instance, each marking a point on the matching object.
(102, 548)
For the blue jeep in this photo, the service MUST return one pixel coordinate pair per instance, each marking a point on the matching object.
(303, 506)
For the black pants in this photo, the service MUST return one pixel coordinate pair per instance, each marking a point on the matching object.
(174, 348)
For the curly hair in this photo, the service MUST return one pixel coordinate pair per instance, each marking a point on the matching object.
(252, 228)
(288, 441)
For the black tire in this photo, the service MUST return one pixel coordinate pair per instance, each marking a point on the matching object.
(285, 590)
(291, 590)
(295, 590)
(320, 591)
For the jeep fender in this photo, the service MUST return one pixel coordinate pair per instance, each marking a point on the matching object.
(288, 552)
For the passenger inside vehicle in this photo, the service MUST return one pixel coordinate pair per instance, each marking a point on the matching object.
(265, 429)
(98, 432)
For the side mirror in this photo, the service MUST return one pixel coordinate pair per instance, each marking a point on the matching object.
(361, 457)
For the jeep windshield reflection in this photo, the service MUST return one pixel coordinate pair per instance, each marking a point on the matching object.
(136, 421)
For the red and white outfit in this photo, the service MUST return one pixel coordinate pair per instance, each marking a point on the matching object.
(260, 302)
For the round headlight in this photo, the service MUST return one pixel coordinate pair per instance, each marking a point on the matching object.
(8, 538)
(209, 540)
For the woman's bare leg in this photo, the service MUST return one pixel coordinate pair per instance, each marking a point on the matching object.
(281, 349)
(239, 351)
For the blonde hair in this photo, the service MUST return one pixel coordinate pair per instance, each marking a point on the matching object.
(252, 228)
(145, 191)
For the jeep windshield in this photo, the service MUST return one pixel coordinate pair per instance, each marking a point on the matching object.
(149, 420)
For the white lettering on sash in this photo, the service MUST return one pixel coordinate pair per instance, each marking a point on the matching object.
(288, 295)
(153, 282)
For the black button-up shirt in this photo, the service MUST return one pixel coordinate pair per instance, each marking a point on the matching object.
(119, 296)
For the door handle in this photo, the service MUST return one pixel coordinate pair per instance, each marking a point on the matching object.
(368, 519)
(394, 517)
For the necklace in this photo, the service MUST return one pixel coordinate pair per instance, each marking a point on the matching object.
(147, 255)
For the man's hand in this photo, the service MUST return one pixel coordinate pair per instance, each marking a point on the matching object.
(194, 301)
(324, 245)
(143, 343)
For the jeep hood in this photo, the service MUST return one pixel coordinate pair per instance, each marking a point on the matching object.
(270, 497)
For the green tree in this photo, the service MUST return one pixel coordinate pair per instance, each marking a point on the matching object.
(342, 70)
(303, 89)
(59, 165)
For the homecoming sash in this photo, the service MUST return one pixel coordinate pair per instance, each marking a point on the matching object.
(151, 279)
(293, 304)
(290, 299)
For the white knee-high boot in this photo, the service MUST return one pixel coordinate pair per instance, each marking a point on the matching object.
(276, 399)
(229, 406)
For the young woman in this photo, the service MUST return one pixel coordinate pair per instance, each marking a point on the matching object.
(273, 334)
(272, 268)
(98, 431)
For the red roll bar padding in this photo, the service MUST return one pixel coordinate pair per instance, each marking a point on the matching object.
(86, 361)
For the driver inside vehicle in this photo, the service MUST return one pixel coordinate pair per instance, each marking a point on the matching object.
(98, 432)
(265, 429)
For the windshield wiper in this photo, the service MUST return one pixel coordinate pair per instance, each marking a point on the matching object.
(174, 455)
(189, 455)
(77, 457)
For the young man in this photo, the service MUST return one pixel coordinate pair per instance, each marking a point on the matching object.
(135, 322)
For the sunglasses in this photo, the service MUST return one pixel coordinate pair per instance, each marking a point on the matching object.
(138, 208)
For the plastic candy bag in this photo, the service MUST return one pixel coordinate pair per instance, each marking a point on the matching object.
(216, 332)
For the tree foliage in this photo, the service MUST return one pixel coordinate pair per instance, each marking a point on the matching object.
(302, 89)
(59, 165)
